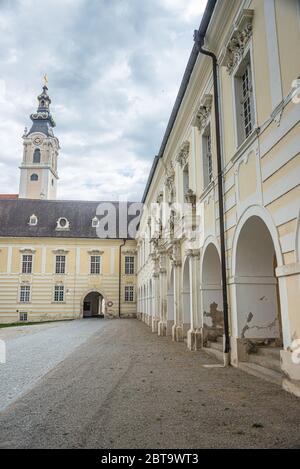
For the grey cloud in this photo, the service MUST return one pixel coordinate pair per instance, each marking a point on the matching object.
(114, 68)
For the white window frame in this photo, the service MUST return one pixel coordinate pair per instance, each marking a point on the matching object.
(207, 164)
(26, 263)
(94, 264)
(129, 293)
(23, 316)
(59, 263)
(246, 62)
(25, 294)
(129, 265)
(59, 294)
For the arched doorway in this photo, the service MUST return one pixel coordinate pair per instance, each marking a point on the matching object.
(186, 297)
(93, 305)
(257, 299)
(211, 292)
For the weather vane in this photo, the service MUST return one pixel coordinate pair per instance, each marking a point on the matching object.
(45, 79)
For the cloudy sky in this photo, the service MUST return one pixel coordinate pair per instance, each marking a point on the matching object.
(114, 69)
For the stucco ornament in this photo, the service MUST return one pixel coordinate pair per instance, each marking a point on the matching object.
(238, 41)
(202, 115)
(183, 153)
(170, 181)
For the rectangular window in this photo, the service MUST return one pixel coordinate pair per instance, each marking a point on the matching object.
(244, 100)
(207, 157)
(95, 264)
(23, 316)
(59, 293)
(27, 264)
(129, 265)
(60, 265)
(129, 293)
(24, 294)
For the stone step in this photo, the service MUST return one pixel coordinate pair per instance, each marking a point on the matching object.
(216, 345)
(266, 361)
(272, 352)
(261, 372)
(214, 353)
(220, 340)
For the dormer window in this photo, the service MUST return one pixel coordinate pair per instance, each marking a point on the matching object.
(33, 220)
(37, 155)
(95, 222)
(34, 177)
(62, 224)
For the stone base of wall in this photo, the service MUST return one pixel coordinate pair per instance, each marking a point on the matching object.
(162, 328)
(177, 333)
(154, 325)
(194, 339)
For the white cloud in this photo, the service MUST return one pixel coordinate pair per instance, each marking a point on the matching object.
(114, 70)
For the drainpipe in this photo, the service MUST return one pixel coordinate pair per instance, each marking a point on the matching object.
(120, 273)
(199, 40)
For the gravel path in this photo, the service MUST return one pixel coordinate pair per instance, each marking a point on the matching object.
(127, 388)
(32, 351)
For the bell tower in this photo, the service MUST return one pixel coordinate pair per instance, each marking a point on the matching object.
(38, 179)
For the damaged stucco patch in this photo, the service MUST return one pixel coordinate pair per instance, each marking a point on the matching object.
(249, 327)
(215, 315)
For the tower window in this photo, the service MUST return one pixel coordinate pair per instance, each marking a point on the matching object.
(37, 155)
(34, 177)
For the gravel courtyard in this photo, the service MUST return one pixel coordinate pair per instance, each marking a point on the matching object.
(117, 385)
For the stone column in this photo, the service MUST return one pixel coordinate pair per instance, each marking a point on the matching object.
(177, 330)
(162, 325)
(194, 335)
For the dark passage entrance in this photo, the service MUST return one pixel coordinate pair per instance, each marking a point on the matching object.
(92, 305)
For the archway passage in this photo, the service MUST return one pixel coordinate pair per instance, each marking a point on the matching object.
(93, 305)
(211, 290)
(257, 295)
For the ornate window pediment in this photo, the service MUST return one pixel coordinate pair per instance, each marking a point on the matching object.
(238, 40)
(183, 153)
(202, 115)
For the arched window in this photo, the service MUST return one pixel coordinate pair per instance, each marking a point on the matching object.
(34, 177)
(37, 155)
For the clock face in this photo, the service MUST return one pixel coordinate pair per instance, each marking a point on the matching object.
(37, 140)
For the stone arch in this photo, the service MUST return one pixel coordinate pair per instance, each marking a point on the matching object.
(97, 302)
(211, 290)
(261, 212)
(256, 254)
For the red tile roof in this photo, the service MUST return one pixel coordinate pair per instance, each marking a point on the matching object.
(9, 196)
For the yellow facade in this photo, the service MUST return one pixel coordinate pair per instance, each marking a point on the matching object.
(77, 280)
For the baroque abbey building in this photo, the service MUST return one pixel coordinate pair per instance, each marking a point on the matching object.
(219, 238)
(212, 258)
(57, 258)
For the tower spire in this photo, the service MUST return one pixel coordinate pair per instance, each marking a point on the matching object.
(42, 120)
(38, 179)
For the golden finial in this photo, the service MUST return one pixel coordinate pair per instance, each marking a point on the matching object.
(45, 79)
